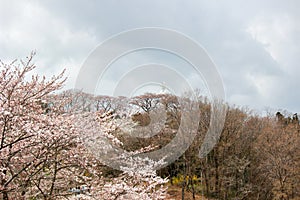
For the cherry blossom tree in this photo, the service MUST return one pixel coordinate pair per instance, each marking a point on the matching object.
(41, 155)
(138, 181)
(24, 124)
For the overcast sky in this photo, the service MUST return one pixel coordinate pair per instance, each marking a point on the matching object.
(255, 44)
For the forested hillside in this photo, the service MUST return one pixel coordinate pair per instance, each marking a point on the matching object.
(43, 154)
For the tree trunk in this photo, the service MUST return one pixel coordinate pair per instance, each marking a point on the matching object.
(184, 179)
(205, 176)
(5, 195)
(193, 189)
(217, 189)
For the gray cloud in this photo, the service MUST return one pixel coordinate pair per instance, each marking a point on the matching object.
(255, 44)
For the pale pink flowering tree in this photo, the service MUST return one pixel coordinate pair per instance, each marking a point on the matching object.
(138, 181)
(41, 153)
(23, 124)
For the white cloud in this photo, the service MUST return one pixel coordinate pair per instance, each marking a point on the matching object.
(275, 33)
(30, 26)
(255, 44)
